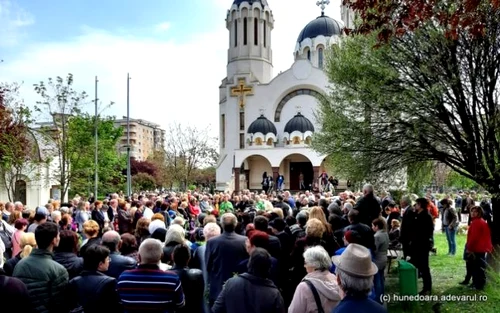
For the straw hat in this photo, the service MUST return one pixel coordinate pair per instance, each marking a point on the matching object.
(356, 260)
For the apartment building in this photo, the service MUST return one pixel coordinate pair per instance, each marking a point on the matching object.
(145, 138)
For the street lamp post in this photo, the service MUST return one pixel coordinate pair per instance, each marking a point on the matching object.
(96, 176)
(129, 179)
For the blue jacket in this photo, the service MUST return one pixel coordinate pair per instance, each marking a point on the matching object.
(352, 304)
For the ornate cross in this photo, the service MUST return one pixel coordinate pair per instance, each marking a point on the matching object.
(322, 4)
(241, 90)
(298, 108)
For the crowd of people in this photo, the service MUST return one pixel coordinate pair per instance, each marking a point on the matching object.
(247, 252)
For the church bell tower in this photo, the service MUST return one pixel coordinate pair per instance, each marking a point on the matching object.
(347, 16)
(250, 23)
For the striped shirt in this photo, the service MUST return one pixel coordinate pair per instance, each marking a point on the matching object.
(149, 289)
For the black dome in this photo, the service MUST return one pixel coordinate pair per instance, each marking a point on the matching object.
(238, 2)
(262, 125)
(323, 25)
(299, 123)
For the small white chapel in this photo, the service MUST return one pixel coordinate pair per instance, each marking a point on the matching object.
(266, 122)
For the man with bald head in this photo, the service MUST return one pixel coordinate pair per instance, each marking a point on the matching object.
(223, 254)
(119, 263)
(148, 288)
(9, 208)
(368, 206)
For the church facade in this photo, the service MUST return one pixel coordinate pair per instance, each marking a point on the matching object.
(267, 123)
(35, 184)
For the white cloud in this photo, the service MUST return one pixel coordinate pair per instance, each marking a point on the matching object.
(162, 27)
(12, 20)
(171, 81)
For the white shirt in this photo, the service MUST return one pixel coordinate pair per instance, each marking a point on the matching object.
(148, 213)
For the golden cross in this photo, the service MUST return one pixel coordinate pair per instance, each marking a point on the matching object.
(241, 91)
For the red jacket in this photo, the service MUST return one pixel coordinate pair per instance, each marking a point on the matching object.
(479, 237)
(433, 210)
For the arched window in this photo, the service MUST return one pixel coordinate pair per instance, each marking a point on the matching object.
(309, 55)
(296, 140)
(236, 33)
(245, 31)
(270, 141)
(308, 140)
(256, 31)
(320, 57)
(258, 141)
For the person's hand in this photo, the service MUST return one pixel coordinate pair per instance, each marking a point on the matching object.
(450, 227)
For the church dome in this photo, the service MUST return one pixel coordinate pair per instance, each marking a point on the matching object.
(299, 123)
(262, 125)
(322, 25)
(238, 2)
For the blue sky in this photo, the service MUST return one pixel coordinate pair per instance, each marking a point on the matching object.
(170, 48)
(61, 19)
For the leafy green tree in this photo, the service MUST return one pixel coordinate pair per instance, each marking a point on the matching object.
(143, 181)
(423, 96)
(163, 177)
(419, 176)
(349, 166)
(81, 133)
(204, 177)
(59, 102)
(458, 181)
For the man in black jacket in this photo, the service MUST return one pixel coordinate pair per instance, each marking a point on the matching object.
(421, 242)
(251, 292)
(365, 232)
(368, 206)
(223, 254)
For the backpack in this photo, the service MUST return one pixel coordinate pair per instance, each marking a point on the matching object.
(6, 237)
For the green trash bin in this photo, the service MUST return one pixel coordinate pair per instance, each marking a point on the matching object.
(408, 277)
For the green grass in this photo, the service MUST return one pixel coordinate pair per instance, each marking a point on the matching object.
(447, 272)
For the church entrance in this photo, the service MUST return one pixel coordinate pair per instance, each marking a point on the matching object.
(301, 175)
(252, 170)
(20, 191)
(298, 172)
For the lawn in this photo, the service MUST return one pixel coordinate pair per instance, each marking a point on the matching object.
(447, 272)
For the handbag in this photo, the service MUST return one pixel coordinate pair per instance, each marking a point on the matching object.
(5, 237)
(315, 294)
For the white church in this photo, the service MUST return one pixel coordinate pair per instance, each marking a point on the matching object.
(266, 122)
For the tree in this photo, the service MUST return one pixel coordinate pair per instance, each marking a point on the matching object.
(204, 177)
(189, 148)
(60, 101)
(81, 134)
(441, 173)
(162, 176)
(143, 181)
(19, 154)
(419, 176)
(456, 180)
(145, 166)
(430, 98)
(398, 17)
